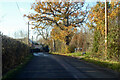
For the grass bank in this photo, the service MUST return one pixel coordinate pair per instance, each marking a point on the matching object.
(114, 65)
(13, 72)
(104, 63)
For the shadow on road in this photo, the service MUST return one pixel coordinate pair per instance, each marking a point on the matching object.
(88, 69)
(49, 66)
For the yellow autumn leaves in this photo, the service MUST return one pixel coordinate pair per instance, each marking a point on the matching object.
(56, 18)
(97, 15)
(41, 27)
(59, 34)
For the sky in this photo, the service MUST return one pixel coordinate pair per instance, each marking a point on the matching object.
(11, 16)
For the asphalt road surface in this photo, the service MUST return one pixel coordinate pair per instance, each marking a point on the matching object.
(48, 66)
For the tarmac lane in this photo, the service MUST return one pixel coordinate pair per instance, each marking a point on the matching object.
(48, 66)
(43, 66)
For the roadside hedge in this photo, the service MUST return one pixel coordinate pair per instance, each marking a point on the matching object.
(13, 53)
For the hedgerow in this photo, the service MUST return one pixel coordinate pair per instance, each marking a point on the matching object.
(13, 53)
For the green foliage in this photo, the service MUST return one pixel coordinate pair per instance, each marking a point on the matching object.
(71, 49)
(108, 64)
(74, 54)
(96, 41)
(98, 44)
(97, 16)
(113, 40)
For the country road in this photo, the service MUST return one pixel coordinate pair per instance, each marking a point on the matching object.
(48, 66)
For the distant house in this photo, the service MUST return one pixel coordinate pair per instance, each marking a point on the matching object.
(35, 44)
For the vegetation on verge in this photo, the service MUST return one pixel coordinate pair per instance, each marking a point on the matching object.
(13, 72)
(97, 24)
(114, 65)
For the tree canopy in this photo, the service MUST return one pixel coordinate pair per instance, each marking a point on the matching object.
(97, 15)
(64, 17)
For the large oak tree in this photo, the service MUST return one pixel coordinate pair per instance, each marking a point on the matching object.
(64, 17)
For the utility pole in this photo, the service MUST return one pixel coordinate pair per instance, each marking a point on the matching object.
(54, 46)
(28, 33)
(106, 29)
(32, 41)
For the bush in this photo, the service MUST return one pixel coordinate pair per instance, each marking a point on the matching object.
(71, 49)
(13, 53)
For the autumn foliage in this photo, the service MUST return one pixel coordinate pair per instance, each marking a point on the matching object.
(97, 24)
(97, 15)
(64, 17)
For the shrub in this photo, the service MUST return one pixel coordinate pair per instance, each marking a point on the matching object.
(13, 52)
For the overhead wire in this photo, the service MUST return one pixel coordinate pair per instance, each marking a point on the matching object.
(20, 12)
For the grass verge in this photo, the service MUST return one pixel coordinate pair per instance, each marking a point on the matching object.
(114, 65)
(104, 63)
(13, 72)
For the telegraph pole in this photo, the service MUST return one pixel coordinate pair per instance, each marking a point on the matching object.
(32, 41)
(54, 46)
(28, 32)
(106, 29)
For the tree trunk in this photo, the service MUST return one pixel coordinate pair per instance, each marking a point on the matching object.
(67, 40)
(54, 48)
